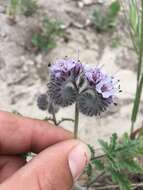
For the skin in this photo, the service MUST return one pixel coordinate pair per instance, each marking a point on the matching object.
(44, 172)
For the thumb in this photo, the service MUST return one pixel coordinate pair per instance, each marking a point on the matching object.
(55, 168)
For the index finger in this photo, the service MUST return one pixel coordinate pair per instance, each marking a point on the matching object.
(21, 134)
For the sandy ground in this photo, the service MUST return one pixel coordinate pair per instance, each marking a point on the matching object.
(23, 75)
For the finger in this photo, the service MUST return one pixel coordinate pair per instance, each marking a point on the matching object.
(20, 134)
(53, 169)
(9, 165)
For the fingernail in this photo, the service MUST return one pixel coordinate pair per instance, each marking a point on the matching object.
(79, 157)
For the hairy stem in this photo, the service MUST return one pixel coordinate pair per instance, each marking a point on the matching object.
(65, 119)
(76, 122)
(54, 116)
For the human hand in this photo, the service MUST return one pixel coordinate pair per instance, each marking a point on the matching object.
(59, 161)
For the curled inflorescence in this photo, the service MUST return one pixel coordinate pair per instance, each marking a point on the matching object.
(44, 103)
(100, 93)
(91, 88)
(65, 75)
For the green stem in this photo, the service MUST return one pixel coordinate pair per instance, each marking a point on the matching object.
(132, 129)
(141, 47)
(139, 81)
(131, 35)
(136, 103)
(65, 119)
(76, 122)
(54, 116)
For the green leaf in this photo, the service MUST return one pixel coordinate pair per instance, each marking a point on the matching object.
(121, 179)
(104, 146)
(113, 11)
(28, 7)
(91, 150)
(120, 159)
(98, 21)
(113, 141)
(133, 16)
(98, 164)
(132, 166)
(103, 20)
(45, 39)
(88, 170)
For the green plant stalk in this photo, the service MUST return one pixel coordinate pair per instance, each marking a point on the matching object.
(54, 117)
(136, 103)
(76, 122)
(132, 35)
(139, 81)
(128, 24)
(141, 47)
(65, 119)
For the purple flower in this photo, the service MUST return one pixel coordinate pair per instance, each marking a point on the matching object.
(93, 75)
(107, 87)
(63, 68)
(101, 82)
(70, 81)
(100, 92)
(65, 75)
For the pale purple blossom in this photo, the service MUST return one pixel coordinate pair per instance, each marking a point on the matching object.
(107, 87)
(93, 75)
(72, 81)
(63, 68)
(64, 79)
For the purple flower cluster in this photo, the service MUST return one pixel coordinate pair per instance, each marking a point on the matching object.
(105, 85)
(64, 68)
(71, 81)
(93, 75)
(64, 75)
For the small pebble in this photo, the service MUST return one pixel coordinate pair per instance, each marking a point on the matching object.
(87, 2)
(80, 4)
